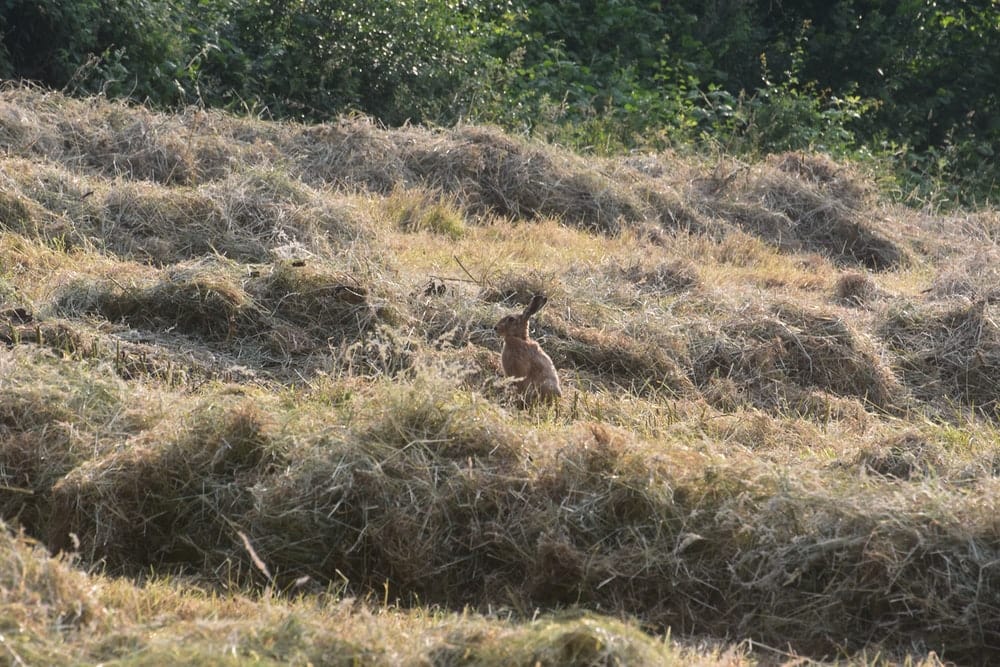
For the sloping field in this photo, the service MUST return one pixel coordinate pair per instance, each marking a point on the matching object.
(250, 398)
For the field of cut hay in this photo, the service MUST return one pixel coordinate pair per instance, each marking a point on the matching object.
(251, 405)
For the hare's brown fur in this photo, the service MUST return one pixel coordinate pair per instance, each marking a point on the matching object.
(524, 359)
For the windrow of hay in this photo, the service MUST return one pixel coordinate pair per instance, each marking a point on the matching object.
(59, 615)
(44, 201)
(131, 355)
(114, 139)
(487, 171)
(975, 274)
(165, 495)
(436, 498)
(620, 360)
(38, 591)
(54, 413)
(800, 202)
(950, 350)
(858, 289)
(794, 201)
(265, 315)
(249, 216)
(663, 277)
(769, 358)
(262, 356)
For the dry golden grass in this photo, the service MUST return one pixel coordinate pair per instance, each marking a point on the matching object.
(249, 369)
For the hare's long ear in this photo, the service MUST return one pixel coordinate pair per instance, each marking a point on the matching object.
(535, 305)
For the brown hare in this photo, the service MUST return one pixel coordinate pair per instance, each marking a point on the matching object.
(524, 359)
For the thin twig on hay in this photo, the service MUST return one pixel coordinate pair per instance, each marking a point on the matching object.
(471, 277)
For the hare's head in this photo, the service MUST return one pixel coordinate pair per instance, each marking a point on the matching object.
(516, 326)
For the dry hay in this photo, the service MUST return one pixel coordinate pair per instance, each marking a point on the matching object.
(246, 217)
(566, 638)
(495, 174)
(907, 455)
(52, 414)
(802, 202)
(856, 288)
(115, 139)
(43, 201)
(263, 318)
(487, 172)
(948, 351)
(621, 361)
(663, 277)
(38, 591)
(417, 210)
(412, 486)
(882, 564)
(166, 494)
(321, 304)
(770, 357)
(515, 289)
(204, 299)
(975, 275)
(413, 499)
(129, 353)
(442, 501)
(134, 143)
(355, 152)
(834, 178)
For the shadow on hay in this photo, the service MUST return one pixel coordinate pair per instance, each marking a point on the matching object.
(950, 351)
(807, 202)
(770, 357)
(167, 495)
(270, 317)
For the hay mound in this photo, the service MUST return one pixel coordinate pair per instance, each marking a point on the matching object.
(855, 288)
(49, 407)
(38, 591)
(833, 178)
(667, 277)
(167, 495)
(117, 140)
(974, 276)
(322, 302)
(202, 299)
(244, 217)
(491, 173)
(799, 202)
(269, 316)
(905, 456)
(771, 357)
(619, 360)
(485, 170)
(516, 289)
(951, 350)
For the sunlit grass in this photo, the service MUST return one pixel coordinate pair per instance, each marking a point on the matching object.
(251, 391)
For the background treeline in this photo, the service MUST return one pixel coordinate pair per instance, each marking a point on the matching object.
(910, 83)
